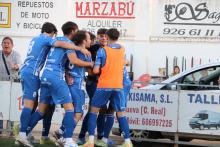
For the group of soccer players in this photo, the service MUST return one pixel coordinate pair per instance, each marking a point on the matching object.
(64, 61)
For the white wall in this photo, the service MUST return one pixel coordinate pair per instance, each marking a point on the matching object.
(148, 21)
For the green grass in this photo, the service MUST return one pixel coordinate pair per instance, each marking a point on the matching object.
(10, 143)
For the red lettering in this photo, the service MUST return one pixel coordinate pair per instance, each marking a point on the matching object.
(121, 8)
(130, 10)
(105, 9)
(96, 7)
(79, 8)
(105, 4)
(19, 103)
(87, 9)
(113, 9)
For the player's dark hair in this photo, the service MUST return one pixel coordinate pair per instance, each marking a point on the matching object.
(113, 34)
(48, 28)
(79, 37)
(92, 36)
(101, 31)
(9, 38)
(68, 27)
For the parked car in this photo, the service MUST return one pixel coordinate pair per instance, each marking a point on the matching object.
(203, 77)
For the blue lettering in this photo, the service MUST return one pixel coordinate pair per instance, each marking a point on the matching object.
(191, 97)
(213, 100)
(161, 98)
(198, 99)
(130, 96)
(144, 97)
(153, 99)
(205, 100)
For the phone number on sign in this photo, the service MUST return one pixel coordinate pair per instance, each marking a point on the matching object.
(191, 32)
(157, 122)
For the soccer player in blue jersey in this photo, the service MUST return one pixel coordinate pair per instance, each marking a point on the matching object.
(110, 112)
(110, 64)
(91, 83)
(75, 78)
(53, 84)
(36, 56)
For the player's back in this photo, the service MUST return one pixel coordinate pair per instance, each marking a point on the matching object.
(57, 57)
(37, 53)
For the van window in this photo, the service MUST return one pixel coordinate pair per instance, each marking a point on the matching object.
(202, 116)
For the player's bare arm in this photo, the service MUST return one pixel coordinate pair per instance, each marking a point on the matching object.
(67, 45)
(76, 61)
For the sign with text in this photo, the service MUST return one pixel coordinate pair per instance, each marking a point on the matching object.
(92, 15)
(152, 110)
(26, 17)
(199, 112)
(5, 100)
(186, 20)
(5, 15)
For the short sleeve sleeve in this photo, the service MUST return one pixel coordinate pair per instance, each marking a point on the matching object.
(100, 57)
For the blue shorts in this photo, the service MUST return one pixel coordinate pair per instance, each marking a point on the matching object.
(115, 96)
(53, 86)
(78, 98)
(30, 84)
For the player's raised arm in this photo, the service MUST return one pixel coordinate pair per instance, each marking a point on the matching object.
(67, 45)
(76, 61)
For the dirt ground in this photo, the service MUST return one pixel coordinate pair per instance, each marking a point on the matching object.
(117, 139)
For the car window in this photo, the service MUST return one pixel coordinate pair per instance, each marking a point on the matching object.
(206, 76)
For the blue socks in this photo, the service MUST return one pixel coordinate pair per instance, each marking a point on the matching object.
(68, 123)
(25, 119)
(108, 124)
(84, 127)
(92, 123)
(34, 120)
(124, 126)
(100, 125)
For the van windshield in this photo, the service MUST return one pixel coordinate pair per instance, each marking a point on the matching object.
(202, 116)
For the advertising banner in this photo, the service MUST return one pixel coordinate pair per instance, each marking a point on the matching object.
(15, 101)
(152, 110)
(5, 100)
(26, 17)
(185, 20)
(199, 112)
(120, 14)
(16, 104)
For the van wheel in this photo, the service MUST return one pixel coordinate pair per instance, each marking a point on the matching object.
(201, 127)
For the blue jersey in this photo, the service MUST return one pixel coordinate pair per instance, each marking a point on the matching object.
(78, 72)
(37, 53)
(101, 59)
(57, 57)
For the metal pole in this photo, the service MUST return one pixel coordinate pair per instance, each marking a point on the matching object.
(176, 139)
